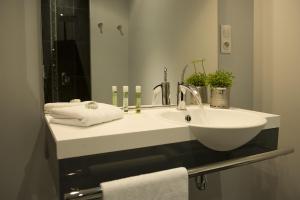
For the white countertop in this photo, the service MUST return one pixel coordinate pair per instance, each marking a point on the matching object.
(133, 131)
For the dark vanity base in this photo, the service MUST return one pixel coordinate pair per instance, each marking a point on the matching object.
(88, 171)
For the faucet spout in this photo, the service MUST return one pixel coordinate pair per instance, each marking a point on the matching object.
(181, 105)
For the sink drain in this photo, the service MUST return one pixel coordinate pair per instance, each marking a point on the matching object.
(188, 118)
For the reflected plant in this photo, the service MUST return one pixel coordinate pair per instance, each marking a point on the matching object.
(197, 79)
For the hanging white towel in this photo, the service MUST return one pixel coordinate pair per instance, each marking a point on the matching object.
(83, 116)
(157, 96)
(164, 185)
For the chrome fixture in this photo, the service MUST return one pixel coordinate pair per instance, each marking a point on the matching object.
(100, 26)
(201, 182)
(65, 79)
(119, 28)
(165, 89)
(198, 173)
(188, 118)
(181, 92)
(181, 95)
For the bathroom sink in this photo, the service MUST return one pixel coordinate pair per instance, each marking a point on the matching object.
(218, 129)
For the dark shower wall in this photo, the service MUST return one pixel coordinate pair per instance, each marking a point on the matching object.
(47, 52)
(71, 58)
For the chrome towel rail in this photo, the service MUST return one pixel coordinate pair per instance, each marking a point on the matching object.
(96, 193)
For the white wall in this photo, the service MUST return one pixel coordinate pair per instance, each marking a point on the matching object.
(238, 183)
(239, 14)
(275, 73)
(170, 33)
(276, 78)
(24, 172)
(109, 51)
(276, 58)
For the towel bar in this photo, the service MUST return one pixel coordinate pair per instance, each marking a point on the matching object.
(96, 193)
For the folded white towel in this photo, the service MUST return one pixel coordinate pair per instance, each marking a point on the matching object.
(164, 185)
(157, 96)
(83, 116)
(49, 106)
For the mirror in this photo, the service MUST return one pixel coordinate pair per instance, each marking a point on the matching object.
(89, 46)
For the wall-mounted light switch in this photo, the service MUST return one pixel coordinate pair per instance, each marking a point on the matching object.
(226, 39)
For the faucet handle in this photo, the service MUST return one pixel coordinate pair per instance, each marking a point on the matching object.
(165, 74)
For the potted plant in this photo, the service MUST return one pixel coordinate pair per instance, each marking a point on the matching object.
(199, 80)
(220, 83)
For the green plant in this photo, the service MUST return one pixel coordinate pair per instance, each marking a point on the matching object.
(197, 79)
(220, 78)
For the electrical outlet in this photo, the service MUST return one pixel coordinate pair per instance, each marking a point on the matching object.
(226, 39)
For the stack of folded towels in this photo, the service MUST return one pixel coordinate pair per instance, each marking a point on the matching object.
(83, 114)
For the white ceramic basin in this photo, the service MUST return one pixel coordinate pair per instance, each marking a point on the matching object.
(219, 129)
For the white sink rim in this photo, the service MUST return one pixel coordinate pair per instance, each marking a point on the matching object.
(261, 121)
(220, 137)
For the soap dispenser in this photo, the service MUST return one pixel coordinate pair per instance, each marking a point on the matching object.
(165, 89)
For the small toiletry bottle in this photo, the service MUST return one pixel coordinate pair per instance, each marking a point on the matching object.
(114, 95)
(125, 98)
(138, 98)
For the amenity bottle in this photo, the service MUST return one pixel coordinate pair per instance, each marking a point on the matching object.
(125, 98)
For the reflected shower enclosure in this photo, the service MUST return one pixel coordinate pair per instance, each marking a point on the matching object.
(66, 50)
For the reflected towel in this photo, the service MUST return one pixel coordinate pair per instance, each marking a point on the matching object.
(164, 185)
(157, 96)
(82, 116)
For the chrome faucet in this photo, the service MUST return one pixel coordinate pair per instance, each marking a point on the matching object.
(165, 89)
(182, 88)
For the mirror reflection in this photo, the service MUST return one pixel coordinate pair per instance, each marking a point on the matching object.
(90, 46)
